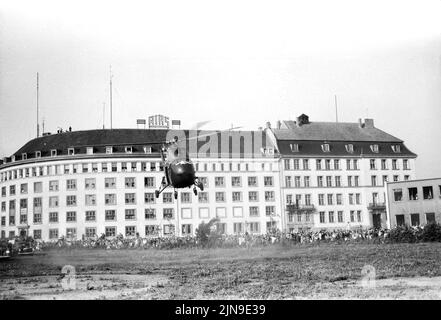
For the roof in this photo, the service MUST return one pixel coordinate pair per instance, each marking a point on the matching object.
(332, 131)
(241, 143)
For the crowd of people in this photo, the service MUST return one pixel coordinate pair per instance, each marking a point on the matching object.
(237, 240)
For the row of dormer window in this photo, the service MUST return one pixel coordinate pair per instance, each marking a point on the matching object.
(326, 147)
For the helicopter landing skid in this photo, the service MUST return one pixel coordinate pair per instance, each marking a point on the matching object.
(162, 188)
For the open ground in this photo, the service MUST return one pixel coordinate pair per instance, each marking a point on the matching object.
(312, 271)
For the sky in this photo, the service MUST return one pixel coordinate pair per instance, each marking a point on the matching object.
(233, 63)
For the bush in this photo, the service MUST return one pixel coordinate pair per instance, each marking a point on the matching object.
(205, 235)
(402, 234)
(431, 232)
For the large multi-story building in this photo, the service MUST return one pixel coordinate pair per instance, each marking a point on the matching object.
(333, 174)
(299, 175)
(415, 202)
(87, 183)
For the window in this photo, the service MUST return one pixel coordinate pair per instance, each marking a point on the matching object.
(237, 212)
(254, 211)
(305, 164)
(185, 197)
(337, 181)
(114, 167)
(351, 198)
(37, 234)
(186, 213)
(396, 148)
(71, 216)
(71, 201)
(297, 181)
(358, 198)
(430, 217)
(53, 217)
(398, 194)
(415, 219)
(325, 147)
(130, 214)
(90, 183)
(204, 213)
(203, 197)
(252, 181)
(109, 150)
(130, 231)
(383, 164)
(219, 182)
(167, 197)
(269, 196)
(89, 150)
(352, 215)
(385, 179)
(288, 181)
(90, 216)
(394, 164)
(428, 192)
(110, 215)
(71, 184)
(151, 230)
(53, 202)
(395, 178)
(149, 214)
(12, 190)
(349, 148)
(53, 233)
(330, 199)
(147, 149)
(238, 227)
(128, 149)
(374, 148)
(328, 164)
(329, 181)
(336, 164)
(90, 232)
(237, 196)
(340, 216)
(149, 182)
(406, 177)
(130, 198)
(287, 164)
(294, 147)
(359, 216)
(37, 154)
(373, 164)
(374, 180)
(236, 181)
(104, 167)
(339, 199)
(296, 164)
(331, 216)
(306, 181)
(53, 153)
(319, 181)
(254, 227)
(307, 199)
(268, 181)
(321, 199)
(123, 166)
(318, 164)
(90, 199)
(253, 196)
(220, 196)
(186, 229)
(110, 231)
(149, 197)
(270, 210)
(221, 228)
(130, 182)
(110, 183)
(85, 167)
(110, 199)
(413, 193)
(221, 212)
(322, 217)
(24, 188)
(406, 164)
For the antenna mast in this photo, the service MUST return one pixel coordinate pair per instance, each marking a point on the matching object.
(336, 112)
(104, 114)
(38, 125)
(111, 111)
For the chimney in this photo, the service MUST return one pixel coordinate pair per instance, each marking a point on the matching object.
(268, 125)
(360, 123)
(368, 123)
(279, 124)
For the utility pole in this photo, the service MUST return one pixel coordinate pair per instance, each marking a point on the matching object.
(111, 111)
(38, 125)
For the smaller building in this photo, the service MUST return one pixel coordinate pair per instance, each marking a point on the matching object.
(414, 202)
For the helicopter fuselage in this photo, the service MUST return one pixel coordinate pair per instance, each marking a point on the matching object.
(180, 173)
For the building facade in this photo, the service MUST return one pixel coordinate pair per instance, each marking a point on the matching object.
(333, 174)
(299, 175)
(87, 183)
(415, 202)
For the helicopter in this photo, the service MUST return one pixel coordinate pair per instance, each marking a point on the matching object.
(179, 170)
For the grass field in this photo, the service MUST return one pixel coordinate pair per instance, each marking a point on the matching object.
(316, 271)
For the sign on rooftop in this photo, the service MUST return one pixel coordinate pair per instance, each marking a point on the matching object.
(159, 122)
